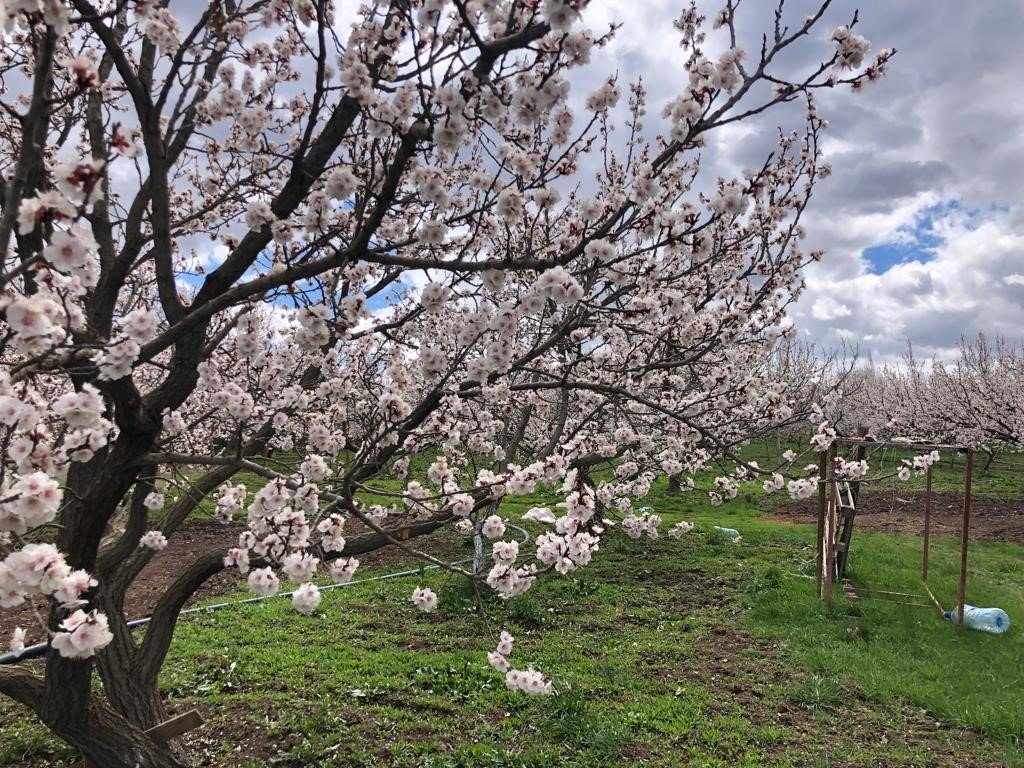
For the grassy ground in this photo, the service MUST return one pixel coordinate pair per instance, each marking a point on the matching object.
(694, 652)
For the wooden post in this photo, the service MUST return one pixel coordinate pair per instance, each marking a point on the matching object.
(964, 534)
(819, 560)
(927, 522)
(830, 527)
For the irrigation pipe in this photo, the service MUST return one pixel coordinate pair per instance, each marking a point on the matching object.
(37, 650)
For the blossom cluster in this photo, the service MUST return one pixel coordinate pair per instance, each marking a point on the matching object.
(528, 680)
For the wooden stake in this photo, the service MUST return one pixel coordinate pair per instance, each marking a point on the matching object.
(927, 523)
(964, 535)
(830, 529)
(819, 558)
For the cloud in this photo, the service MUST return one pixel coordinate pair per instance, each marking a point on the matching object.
(968, 283)
(828, 309)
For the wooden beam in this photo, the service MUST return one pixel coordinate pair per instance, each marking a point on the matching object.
(176, 726)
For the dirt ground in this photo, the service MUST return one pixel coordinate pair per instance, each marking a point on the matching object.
(992, 519)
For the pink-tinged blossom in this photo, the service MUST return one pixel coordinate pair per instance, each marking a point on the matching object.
(263, 581)
(505, 551)
(17, 643)
(258, 214)
(801, 488)
(33, 317)
(80, 409)
(775, 483)
(680, 529)
(33, 500)
(505, 642)
(851, 48)
(497, 661)
(237, 558)
(433, 296)
(341, 183)
(140, 325)
(528, 681)
(73, 586)
(342, 570)
(822, 440)
(299, 566)
(154, 540)
(425, 599)
(82, 635)
(306, 598)
(70, 250)
(493, 527)
(154, 501)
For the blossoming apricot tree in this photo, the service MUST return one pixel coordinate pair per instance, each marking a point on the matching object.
(245, 226)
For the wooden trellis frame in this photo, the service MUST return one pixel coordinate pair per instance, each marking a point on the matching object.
(832, 506)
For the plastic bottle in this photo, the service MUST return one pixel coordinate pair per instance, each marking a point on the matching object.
(730, 533)
(993, 620)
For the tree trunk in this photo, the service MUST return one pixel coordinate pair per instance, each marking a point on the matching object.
(674, 485)
(107, 740)
(140, 704)
(988, 461)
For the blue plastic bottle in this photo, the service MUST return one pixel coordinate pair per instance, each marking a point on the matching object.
(993, 620)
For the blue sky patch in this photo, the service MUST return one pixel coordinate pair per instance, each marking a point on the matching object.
(917, 241)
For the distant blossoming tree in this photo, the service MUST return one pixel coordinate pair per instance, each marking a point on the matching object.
(231, 228)
(975, 400)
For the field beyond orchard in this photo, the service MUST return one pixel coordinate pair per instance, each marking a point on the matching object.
(690, 652)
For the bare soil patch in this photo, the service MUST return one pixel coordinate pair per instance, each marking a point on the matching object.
(992, 519)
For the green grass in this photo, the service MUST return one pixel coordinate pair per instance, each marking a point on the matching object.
(695, 652)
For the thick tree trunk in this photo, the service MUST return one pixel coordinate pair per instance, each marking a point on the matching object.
(106, 739)
(138, 703)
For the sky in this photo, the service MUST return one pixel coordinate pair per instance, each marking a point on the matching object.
(921, 221)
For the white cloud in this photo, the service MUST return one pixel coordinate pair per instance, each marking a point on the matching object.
(828, 309)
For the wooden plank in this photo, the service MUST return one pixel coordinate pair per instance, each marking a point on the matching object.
(176, 726)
